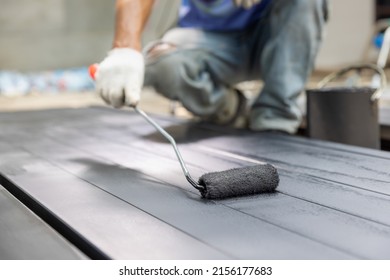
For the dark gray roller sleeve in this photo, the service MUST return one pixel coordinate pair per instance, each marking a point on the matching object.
(243, 181)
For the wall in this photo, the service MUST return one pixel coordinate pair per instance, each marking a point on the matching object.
(46, 34)
(49, 34)
(348, 34)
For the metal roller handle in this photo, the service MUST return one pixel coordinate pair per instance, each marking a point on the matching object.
(376, 95)
(92, 71)
(173, 142)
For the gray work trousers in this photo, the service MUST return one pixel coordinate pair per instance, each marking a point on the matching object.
(280, 49)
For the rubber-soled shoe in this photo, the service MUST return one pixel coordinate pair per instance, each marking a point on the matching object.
(240, 118)
(234, 113)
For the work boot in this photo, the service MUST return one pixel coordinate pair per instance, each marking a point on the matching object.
(234, 113)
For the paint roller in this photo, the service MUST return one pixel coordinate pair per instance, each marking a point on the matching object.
(249, 180)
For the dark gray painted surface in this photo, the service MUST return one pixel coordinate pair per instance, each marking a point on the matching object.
(116, 184)
(23, 235)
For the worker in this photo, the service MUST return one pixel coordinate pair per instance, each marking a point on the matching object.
(217, 44)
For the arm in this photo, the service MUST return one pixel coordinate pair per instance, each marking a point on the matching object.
(120, 76)
(131, 17)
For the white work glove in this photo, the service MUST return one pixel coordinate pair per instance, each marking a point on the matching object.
(120, 77)
(246, 4)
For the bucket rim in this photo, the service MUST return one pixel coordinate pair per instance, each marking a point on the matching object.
(357, 67)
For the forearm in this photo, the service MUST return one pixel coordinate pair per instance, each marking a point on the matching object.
(131, 17)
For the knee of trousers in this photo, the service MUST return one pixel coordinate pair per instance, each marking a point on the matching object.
(184, 75)
(161, 69)
(173, 73)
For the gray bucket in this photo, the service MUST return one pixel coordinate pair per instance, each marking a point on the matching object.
(346, 115)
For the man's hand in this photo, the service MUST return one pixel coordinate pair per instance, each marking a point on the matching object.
(120, 76)
(246, 4)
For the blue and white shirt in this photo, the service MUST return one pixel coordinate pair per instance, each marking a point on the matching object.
(218, 15)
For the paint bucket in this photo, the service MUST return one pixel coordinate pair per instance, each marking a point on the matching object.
(346, 115)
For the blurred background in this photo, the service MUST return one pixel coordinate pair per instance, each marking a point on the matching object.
(46, 46)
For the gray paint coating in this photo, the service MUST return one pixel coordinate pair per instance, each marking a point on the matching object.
(25, 236)
(332, 201)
